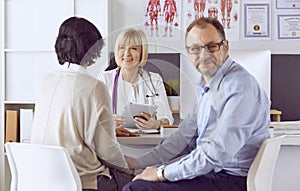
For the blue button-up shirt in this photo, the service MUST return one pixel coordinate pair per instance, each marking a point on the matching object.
(224, 132)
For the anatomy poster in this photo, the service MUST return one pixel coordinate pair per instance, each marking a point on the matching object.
(226, 11)
(162, 19)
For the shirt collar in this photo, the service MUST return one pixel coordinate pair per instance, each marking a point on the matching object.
(218, 76)
(75, 68)
(216, 80)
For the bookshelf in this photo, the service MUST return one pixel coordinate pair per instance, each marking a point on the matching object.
(28, 31)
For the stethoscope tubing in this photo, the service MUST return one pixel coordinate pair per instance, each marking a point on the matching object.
(115, 87)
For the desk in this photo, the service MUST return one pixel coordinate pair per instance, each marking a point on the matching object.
(143, 139)
(137, 146)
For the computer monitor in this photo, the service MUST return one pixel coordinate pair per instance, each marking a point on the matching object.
(257, 62)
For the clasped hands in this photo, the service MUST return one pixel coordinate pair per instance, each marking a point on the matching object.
(149, 173)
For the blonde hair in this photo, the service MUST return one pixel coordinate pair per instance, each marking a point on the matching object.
(136, 36)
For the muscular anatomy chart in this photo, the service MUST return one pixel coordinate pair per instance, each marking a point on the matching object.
(162, 18)
(167, 19)
(226, 11)
(153, 11)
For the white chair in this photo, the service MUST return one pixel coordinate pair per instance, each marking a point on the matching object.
(276, 166)
(41, 167)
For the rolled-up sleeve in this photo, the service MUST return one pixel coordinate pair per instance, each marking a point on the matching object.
(179, 143)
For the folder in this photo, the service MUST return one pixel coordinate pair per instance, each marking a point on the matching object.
(26, 117)
(11, 128)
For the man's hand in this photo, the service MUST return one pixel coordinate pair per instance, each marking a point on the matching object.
(148, 174)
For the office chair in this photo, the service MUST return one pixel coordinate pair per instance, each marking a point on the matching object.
(276, 166)
(41, 167)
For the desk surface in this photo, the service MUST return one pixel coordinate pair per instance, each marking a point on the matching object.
(143, 139)
(138, 146)
(147, 139)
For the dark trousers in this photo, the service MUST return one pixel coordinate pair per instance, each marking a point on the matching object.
(209, 182)
(118, 180)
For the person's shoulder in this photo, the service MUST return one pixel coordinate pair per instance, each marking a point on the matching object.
(237, 78)
(107, 76)
(113, 71)
(100, 86)
(155, 75)
(88, 80)
(237, 72)
(108, 73)
(85, 76)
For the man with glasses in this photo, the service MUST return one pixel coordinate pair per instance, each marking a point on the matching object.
(216, 144)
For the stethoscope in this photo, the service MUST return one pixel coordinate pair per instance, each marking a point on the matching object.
(115, 88)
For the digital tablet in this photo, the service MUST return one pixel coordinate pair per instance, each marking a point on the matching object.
(132, 110)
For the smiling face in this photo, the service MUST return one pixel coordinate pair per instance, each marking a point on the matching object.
(206, 62)
(131, 49)
(129, 55)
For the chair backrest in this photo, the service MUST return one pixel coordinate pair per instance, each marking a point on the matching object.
(267, 168)
(41, 167)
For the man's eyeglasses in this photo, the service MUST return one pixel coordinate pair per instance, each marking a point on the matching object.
(213, 47)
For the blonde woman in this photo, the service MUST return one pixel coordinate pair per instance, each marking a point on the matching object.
(130, 83)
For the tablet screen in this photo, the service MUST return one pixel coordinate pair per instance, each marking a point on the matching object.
(135, 109)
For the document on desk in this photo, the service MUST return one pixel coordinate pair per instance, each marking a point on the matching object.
(146, 131)
(286, 128)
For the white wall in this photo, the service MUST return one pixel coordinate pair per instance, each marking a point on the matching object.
(127, 13)
(1, 104)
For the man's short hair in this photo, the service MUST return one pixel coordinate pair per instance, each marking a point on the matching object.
(203, 21)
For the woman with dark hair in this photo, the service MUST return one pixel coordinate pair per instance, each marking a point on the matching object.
(74, 110)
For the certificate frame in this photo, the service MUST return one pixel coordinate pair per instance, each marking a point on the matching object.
(288, 26)
(287, 4)
(262, 29)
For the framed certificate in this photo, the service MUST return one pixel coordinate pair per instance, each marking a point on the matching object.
(288, 26)
(287, 4)
(257, 20)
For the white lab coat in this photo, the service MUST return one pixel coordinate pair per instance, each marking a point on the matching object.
(140, 92)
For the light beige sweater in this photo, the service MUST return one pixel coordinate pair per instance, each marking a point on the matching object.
(73, 110)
